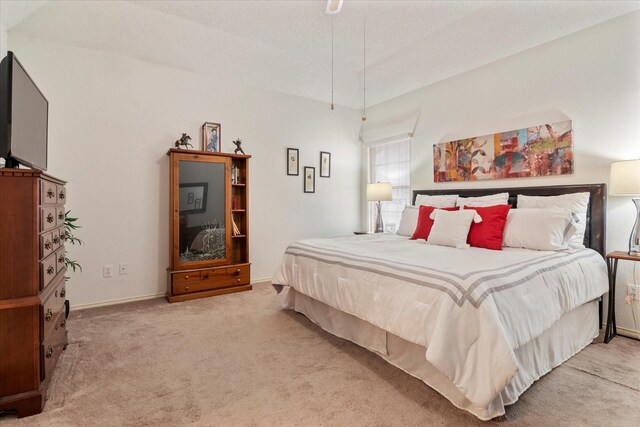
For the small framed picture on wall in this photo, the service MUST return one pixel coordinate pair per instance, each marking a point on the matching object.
(211, 137)
(325, 164)
(292, 162)
(309, 179)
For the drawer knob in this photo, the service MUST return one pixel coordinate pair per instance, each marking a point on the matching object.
(63, 237)
(50, 218)
(61, 259)
(238, 280)
(60, 216)
(47, 244)
(186, 277)
(237, 271)
(61, 196)
(56, 239)
(50, 270)
(63, 293)
(49, 354)
(63, 323)
(49, 315)
(186, 288)
(50, 193)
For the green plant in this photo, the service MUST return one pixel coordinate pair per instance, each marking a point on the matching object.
(69, 227)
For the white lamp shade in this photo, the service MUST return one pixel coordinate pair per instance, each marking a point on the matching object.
(380, 191)
(625, 178)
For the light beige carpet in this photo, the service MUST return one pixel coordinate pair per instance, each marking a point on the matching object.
(239, 360)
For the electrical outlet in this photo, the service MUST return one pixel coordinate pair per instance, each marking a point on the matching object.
(124, 268)
(634, 292)
(107, 270)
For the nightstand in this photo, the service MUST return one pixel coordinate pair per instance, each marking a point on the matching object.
(612, 267)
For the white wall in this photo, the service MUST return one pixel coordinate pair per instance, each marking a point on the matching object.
(3, 41)
(112, 120)
(591, 77)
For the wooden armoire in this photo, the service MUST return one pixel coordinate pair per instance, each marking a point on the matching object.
(209, 213)
(32, 286)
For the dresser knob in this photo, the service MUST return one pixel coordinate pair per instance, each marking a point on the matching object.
(50, 270)
(47, 244)
(63, 293)
(50, 193)
(50, 218)
(60, 216)
(186, 277)
(61, 259)
(61, 196)
(49, 315)
(237, 271)
(63, 237)
(238, 280)
(56, 239)
(49, 354)
(63, 323)
(186, 288)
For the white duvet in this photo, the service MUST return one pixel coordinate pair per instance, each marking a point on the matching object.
(470, 308)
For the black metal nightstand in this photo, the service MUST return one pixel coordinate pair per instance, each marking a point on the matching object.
(612, 267)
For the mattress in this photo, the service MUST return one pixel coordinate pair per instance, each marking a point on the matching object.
(470, 310)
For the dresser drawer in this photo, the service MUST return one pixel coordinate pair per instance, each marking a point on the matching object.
(55, 239)
(59, 216)
(60, 259)
(47, 218)
(46, 245)
(63, 237)
(240, 270)
(56, 331)
(186, 277)
(48, 270)
(52, 306)
(209, 283)
(62, 194)
(48, 193)
(49, 355)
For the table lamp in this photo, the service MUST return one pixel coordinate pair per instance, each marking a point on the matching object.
(380, 191)
(625, 181)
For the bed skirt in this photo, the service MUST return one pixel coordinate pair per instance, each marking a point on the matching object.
(570, 334)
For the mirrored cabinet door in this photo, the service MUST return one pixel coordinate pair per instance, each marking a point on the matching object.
(201, 195)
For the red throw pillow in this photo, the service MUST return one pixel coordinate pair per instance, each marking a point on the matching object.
(425, 222)
(488, 233)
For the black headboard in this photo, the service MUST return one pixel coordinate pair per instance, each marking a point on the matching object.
(594, 237)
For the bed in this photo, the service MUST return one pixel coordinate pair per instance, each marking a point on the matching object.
(478, 326)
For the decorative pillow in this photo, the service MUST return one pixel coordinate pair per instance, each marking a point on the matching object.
(444, 201)
(490, 200)
(540, 229)
(488, 233)
(425, 222)
(408, 222)
(451, 228)
(575, 202)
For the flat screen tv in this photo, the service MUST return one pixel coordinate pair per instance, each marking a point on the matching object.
(23, 117)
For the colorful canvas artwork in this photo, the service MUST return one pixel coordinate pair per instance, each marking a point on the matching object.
(535, 151)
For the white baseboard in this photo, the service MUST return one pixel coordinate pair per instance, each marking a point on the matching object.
(139, 298)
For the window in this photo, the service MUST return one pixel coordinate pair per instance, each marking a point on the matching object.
(391, 162)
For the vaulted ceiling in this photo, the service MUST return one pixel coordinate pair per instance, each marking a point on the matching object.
(286, 45)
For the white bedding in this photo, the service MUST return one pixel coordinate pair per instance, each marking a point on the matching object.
(471, 309)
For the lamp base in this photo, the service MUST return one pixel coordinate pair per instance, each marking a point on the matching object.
(634, 240)
(379, 225)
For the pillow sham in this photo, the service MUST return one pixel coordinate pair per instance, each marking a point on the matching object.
(490, 200)
(425, 223)
(575, 202)
(444, 201)
(451, 228)
(488, 233)
(408, 221)
(541, 229)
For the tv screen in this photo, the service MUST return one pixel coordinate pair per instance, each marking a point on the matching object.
(23, 117)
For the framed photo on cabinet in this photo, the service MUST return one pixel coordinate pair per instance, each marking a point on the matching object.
(211, 137)
(293, 167)
(325, 164)
(309, 179)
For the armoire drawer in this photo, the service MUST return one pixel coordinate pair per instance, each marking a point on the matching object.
(62, 194)
(48, 270)
(60, 216)
(47, 218)
(46, 244)
(48, 193)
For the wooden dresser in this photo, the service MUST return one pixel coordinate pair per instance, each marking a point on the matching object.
(209, 195)
(32, 286)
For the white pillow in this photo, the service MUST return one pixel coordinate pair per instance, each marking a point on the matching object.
(444, 201)
(451, 228)
(575, 202)
(408, 222)
(540, 229)
(490, 200)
